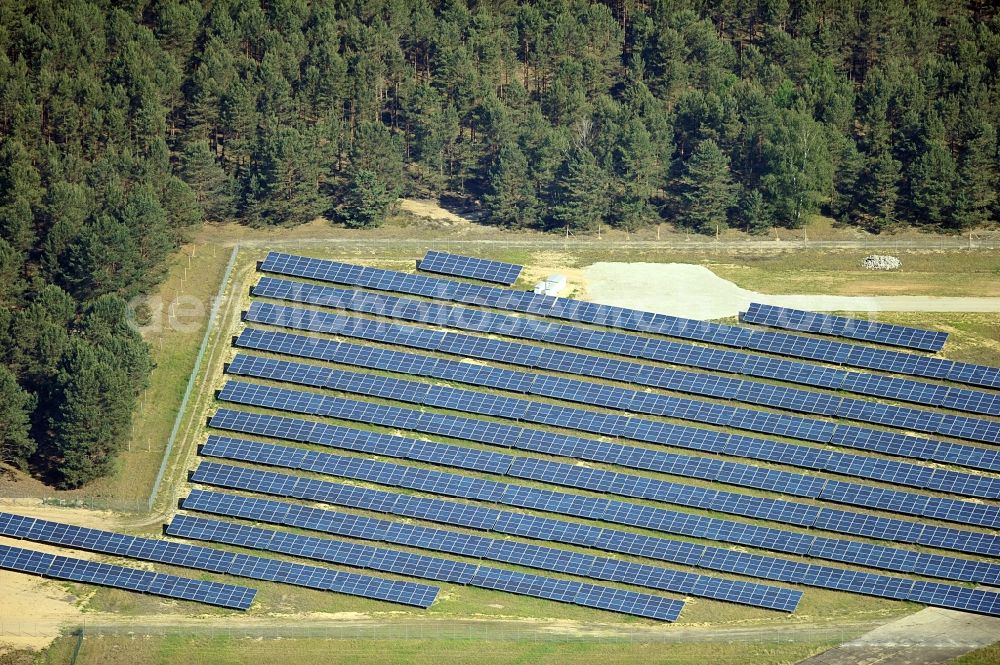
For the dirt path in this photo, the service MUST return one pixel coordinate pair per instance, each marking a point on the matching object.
(932, 636)
(696, 292)
(356, 625)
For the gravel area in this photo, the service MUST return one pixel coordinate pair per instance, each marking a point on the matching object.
(695, 292)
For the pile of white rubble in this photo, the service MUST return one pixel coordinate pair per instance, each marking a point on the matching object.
(877, 262)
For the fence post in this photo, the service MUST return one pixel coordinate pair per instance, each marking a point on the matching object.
(79, 645)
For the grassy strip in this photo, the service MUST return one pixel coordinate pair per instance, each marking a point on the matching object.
(986, 656)
(223, 649)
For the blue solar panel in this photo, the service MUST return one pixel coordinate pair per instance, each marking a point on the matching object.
(388, 560)
(79, 570)
(866, 357)
(740, 446)
(704, 358)
(840, 326)
(573, 533)
(171, 586)
(517, 409)
(534, 556)
(468, 266)
(442, 483)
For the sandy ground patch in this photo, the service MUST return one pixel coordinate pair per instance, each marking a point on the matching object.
(695, 292)
(33, 609)
(549, 263)
(430, 209)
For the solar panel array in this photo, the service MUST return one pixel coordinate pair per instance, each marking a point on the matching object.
(416, 565)
(493, 549)
(627, 319)
(570, 533)
(660, 519)
(606, 424)
(216, 561)
(498, 420)
(634, 401)
(469, 266)
(541, 528)
(637, 346)
(842, 326)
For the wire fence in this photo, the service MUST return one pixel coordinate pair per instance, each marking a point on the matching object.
(192, 380)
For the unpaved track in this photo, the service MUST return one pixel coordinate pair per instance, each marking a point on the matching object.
(353, 625)
(932, 636)
(694, 291)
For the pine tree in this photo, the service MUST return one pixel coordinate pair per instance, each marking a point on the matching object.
(707, 191)
(104, 259)
(511, 201)
(282, 184)
(11, 282)
(977, 177)
(754, 214)
(932, 183)
(580, 193)
(799, 168)
(16, 406)
(635, 167)
(20, 194)
(877, 190)
(107, 324)
(378, 150)
(367, 200)
(212, 187)
(91, 404)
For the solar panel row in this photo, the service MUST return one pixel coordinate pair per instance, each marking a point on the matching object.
(416, 565)
(612, 425)
(573, 533)
(105, 574)
(627, 319)
(541, 528)
(469, 266)
(553, 444)
(719, 360)
(218, 561)
(571, 475)
(588, 392)
(548, 529)
(493, 549)
(440, 482)
(842, 326)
